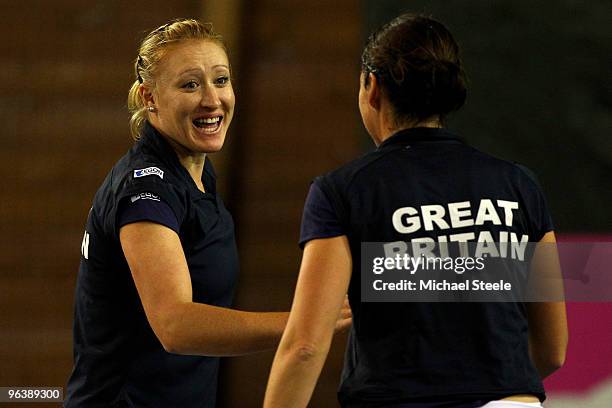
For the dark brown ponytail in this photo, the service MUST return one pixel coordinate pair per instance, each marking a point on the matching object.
(417, 61)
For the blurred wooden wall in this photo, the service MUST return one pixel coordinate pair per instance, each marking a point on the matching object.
(297, 117)
(65, 70)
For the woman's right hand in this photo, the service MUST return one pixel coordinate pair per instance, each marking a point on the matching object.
(345, 318)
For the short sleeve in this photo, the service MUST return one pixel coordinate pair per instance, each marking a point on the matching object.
(138, 183)
(540, 220)
(319, 219)
(146, 207)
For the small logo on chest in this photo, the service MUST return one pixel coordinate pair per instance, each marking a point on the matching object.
(149, 171)
(144, 196)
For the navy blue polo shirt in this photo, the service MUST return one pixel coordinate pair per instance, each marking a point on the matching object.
(428, 354)
(118, 360)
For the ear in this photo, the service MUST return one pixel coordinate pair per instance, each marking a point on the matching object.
(146, 94)
(373, 92)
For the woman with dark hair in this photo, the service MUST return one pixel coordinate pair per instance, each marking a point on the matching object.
(416, 354)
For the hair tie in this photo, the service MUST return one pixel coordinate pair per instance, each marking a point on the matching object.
(163, 28)
(139, 65)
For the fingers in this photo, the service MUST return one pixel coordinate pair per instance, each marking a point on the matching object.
(343, 325)
(345, 313)
(345, 318)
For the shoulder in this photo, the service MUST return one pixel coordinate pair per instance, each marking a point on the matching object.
(520, 174)
(135, 176)
(344, 176)
(137, 170)
(496, 166)
(527, 174)
(508, 174)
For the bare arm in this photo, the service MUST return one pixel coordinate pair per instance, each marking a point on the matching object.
(159, 268)
(548, 334)
(324, 277)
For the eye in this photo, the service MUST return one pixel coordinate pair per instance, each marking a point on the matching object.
(222, 80)
(191, 85)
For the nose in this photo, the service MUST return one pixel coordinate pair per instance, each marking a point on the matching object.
(210, 97)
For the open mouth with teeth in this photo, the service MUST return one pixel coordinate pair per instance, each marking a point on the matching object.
(208, 125)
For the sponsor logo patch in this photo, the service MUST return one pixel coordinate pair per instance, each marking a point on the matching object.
(144, 196)
(148, 172)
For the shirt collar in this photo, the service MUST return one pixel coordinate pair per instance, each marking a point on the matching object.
(153, 141)
(421, 134)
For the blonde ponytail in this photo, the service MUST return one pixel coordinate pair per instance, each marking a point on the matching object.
(137, 108)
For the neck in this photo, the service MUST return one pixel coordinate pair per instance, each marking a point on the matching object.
(192, 162)
(390, 128)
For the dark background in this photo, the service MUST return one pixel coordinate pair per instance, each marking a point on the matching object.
(539, 94)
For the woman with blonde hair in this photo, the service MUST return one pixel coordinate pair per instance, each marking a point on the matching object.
(159, 260)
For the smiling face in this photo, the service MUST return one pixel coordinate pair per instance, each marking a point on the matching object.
(193, 97)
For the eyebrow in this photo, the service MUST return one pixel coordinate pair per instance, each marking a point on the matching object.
(198, 69)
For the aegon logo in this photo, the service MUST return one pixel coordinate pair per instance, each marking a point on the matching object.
(149, 171)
